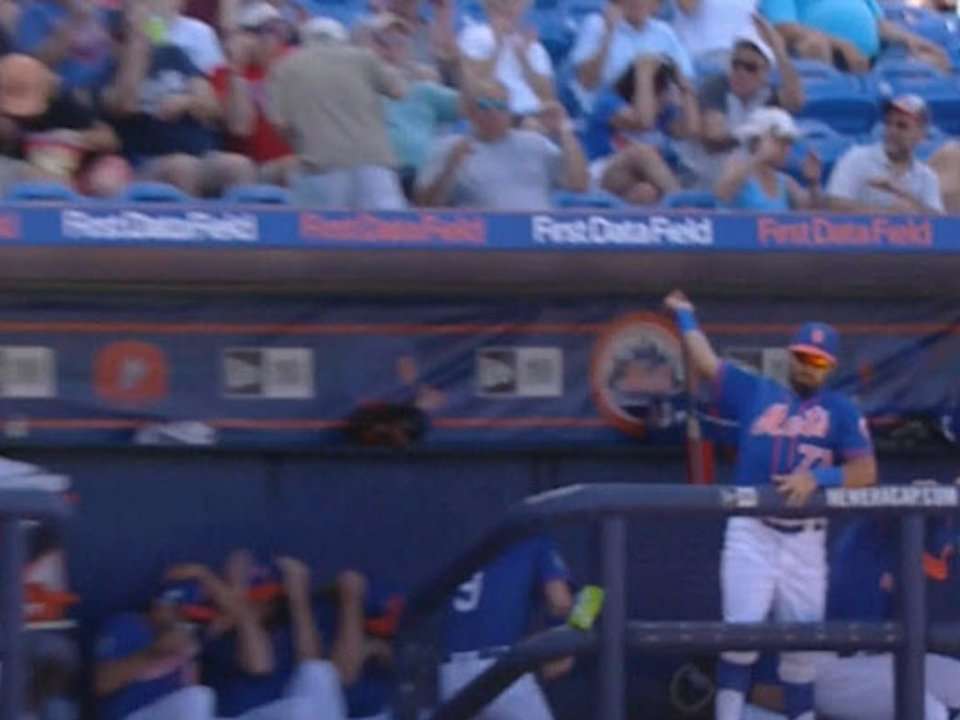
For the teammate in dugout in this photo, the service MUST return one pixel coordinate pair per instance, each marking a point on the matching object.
(492, 611)
(799, 437)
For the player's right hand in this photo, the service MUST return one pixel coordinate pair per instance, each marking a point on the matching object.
(677, 301)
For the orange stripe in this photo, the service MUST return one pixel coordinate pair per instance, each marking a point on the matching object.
(935, 568)
(520, 422)
(300, 424)
(849, 328)
(298, 329)
(150, 328)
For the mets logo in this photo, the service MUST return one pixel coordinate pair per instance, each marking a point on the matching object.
(130, 373)
(636, 374)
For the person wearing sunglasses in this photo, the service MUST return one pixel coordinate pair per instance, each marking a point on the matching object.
(727, 98)
(797, 437)
(753, 179)
(888, 176)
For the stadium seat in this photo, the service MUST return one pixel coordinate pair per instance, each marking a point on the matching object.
(41, 191)
(821, 139)
(841, 100)
(700, 199)
(598, 199)
(895, 76)
(257, 195)
(153, 192)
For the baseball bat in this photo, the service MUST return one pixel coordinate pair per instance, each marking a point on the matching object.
(696, 467)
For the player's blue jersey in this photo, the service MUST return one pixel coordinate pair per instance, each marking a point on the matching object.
(781, 432)
(121, 637)
(863, 550)
(494, 608)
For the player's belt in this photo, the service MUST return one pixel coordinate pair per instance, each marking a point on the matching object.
(794, 527)
(487, 653)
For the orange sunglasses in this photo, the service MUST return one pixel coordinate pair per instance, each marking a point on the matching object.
(812, 360)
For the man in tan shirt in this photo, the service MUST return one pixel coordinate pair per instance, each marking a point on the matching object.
(327, 99)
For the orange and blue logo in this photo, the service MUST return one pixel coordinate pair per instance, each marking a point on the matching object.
(637, 374)
(131, 373)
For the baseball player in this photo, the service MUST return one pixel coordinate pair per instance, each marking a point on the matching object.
(861, 686)
(492, 611)
(799, 437)
(267, 664)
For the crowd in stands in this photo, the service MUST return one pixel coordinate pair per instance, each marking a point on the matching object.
(504, 105)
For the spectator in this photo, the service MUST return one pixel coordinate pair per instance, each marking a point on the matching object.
(414, 120)
(887, 175)
(145, 662)
(845, 33)
(69, 36)
(498, 167)
(327, 99)
(726, 100)
(289, 679)
(753, 180)
(197, 39)
(708, 29)
(945, 162)
(167, 116)
(641, 100)
(259, 41)
(51, 134)
(609, 42)
(433, 39)
(504, 50)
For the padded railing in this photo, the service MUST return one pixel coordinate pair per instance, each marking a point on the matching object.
(611, 505)
(16, 506)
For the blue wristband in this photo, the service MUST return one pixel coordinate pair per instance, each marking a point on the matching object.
(829, 476)
(687, 321)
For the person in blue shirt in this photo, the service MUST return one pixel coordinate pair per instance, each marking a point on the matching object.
(271, 667)
(146, 662)
(650, 95)
(846, 33)
(754, 179)
(798, 437)
(492, 611)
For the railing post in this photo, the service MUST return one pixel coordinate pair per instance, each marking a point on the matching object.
(11, 618)
(912, 588)
(613, 548)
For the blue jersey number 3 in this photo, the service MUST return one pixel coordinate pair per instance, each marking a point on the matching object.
(468, 594)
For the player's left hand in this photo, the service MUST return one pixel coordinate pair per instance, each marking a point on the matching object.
(797, 487)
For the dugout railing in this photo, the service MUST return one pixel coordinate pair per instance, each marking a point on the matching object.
(15, 507)
(611, 505)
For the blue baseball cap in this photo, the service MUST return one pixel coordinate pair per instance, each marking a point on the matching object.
(816, 338)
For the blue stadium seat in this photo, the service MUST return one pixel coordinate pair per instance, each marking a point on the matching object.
(894, 76)
(153, 192)
(700, 199)
(841, 100)
(257, 195)
(41, 191)
(598, 199)
(822, 140)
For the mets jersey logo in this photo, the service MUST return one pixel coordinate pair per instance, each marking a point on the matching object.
(636, 374)
(776, 422)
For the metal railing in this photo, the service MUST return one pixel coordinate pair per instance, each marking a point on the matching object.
(611, 505)
(16, 506)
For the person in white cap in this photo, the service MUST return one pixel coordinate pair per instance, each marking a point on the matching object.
(754, 179)
(887, 175)
(727, 99)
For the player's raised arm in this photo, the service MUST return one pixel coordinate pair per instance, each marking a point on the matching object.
(702, 356)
